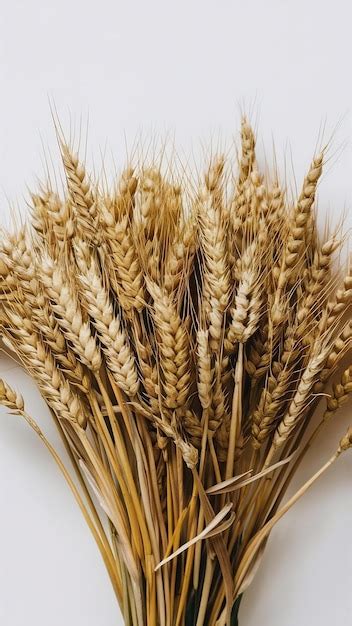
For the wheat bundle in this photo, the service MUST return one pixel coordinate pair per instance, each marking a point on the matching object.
(182, 339)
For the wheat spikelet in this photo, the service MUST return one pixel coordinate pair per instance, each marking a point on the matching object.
(346, 441)
(148, 200)
(258, 200)
(276, 208)
(338, 348)
(10, 398)
(122, 201)
(321, 266)
(340, 393)
(39, 213)
(259, 353)
(60, 216)
(337, 305)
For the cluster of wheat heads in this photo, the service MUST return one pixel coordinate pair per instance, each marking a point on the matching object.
(182, 338)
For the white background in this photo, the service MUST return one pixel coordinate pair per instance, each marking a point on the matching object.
(187, 68)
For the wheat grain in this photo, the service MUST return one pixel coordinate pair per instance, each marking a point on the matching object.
(338, 348)
(338, 304)
(122, 202)
(122, 256)
(10, 398)
(340, 393)
(346, 441)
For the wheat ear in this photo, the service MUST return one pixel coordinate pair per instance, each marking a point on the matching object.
(10, 398)
(299, 402)
(68, 312)
(315, 282)
(294, 246)
(173, 350)
(216, 275)
(50, 380)
(205, 373)
(19, 259)
(85, 211)
(337, 305)
(248, 158)
(118, 354)
(122, 256)
(272, 399)
(246, 310)
(178, 261)
(339, 346)
(340, 393)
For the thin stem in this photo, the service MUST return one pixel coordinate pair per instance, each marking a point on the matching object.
(106, 557)
(236, 413)
(208, 577)
(254, 545)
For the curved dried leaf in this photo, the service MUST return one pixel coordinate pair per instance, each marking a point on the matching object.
(210, 530)
(232, 484)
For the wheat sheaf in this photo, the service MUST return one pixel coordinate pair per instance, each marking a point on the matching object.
(182, 336)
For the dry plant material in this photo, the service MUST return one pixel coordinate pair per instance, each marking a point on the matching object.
(182, 336)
